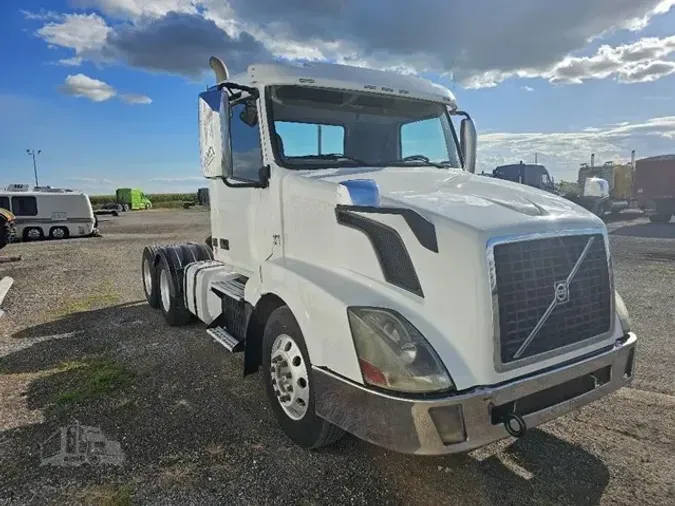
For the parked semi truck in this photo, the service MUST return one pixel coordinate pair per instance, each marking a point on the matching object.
(7, 227)
(132, 199)
(600, 198)
(532, 174)
(381, 287)
(655, 187)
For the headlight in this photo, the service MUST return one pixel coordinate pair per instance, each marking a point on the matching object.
(393, 354)
(622, 312)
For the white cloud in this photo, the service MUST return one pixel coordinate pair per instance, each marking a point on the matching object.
(75, 61)
(84, 33)
(80, 85)
(135, 98)
(177, 36)
(137, 8)
(563, 152)
(636, 62)
(527, 88)
(176, 179)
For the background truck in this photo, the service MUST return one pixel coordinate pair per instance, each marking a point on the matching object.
(378, 284)
(655, 187)
(531, 174)
(132, 199)
(615, 197)
(7, 227)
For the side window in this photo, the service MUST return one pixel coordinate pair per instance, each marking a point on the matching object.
(425, 137)
(246, 152)
(307, 139)
(4, 203)
(24, 206)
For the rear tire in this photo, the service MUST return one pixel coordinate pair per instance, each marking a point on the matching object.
(171, 301)
(660, 218)
(299, 422)
(150, 276)
(59, 233)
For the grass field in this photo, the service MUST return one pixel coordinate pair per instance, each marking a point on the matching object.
(159, 200)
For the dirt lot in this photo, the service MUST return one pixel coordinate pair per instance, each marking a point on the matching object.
(79, 343)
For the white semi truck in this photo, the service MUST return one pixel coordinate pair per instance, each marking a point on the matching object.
(381, 287)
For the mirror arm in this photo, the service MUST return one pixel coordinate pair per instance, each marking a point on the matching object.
(231, 87)
(264, 174)
(462, 113)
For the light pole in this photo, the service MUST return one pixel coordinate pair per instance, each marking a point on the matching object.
(34, 154)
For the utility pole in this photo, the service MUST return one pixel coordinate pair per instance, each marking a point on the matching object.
(535, 158)
(33, 153)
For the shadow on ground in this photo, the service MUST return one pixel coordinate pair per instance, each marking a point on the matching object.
(653, 230)
(194, 431)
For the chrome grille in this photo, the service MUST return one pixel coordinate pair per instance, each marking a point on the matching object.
(551, 292)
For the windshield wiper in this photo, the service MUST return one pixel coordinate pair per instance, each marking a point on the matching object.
(417, 158)
(329, 156)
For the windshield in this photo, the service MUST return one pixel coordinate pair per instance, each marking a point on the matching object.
(317, 128)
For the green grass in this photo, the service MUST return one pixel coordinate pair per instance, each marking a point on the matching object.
(106, 495)
(156, 198)
(106, 295)
(87, 303)
(93, 379)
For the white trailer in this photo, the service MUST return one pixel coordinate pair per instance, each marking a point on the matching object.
(49, 213)
(382, 287)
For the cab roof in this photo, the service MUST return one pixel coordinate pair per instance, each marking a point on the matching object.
(345, 77)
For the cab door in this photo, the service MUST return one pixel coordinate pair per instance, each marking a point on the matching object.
(235, 205)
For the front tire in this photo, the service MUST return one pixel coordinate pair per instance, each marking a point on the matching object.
(287, 375)
(33, 234)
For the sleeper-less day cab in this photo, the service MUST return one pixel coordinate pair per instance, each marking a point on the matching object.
(382, 288)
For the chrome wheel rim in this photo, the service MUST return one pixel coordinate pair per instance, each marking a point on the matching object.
(33, 233)
(58, 233)
(290, 380)
(165, 290)
(147, 277)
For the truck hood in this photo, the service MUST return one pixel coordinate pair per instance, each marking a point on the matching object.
(480, 202)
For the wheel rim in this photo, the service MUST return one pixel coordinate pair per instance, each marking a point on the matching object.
(33, 233)
(58, 233)
(165, 290)
(147, 277)
(290, 379)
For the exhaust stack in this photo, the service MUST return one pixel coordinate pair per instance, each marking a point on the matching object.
(219, 69)
(593, 160)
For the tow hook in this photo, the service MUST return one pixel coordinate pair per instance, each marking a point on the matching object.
(515, 425)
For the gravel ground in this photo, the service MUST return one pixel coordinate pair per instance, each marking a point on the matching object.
(194, 432)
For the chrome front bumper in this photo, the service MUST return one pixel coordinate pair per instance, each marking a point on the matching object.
(406, 425)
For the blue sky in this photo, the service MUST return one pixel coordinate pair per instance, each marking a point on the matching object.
(107, 89)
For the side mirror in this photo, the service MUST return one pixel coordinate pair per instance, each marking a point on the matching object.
(467, 143)
(214, 134)
(249, 115)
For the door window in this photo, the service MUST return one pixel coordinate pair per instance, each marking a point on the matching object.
(4, 203)
(24, 206)
(245, 139)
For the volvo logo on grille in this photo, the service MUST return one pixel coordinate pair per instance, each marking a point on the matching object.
(561, 295)
(562, 292)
